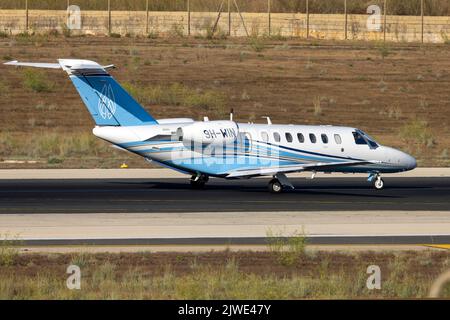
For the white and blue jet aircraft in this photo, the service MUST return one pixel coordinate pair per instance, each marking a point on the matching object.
(224, 149)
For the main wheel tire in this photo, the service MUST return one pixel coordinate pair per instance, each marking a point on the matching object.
(199, 184)
(275, 186)
(378, 184)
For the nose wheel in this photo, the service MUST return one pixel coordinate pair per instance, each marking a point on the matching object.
(378, 183)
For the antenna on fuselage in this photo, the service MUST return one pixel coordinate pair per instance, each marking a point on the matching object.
(269, 122)
(231, 114)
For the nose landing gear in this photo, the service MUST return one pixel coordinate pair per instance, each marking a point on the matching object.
(377, 181)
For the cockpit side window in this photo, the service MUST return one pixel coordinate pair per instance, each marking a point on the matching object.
(358, 138)
(362, 138)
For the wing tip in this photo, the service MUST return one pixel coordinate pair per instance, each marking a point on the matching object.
(12, 62)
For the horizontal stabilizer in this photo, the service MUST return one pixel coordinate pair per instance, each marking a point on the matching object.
(34, 64)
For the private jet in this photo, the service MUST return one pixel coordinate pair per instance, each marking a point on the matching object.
(224, 148)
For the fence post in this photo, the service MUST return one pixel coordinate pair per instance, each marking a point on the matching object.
(270, 18)
(188, 16)
(307, 19)
(26, 15)
(384, 24)
(67, 17)
(242, 18)
(346, 19)
(422, 13)
(229, 17)
(146, 17)
(109, 17)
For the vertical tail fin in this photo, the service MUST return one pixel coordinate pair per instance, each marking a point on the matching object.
(107, 102)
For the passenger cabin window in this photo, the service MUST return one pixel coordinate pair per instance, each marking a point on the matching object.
(264, 136)
(337, 138)
(276, 137)
(288, 137)
(300, 138)
(324, 138)
(312, 138)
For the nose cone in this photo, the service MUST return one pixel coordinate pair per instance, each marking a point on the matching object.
(408, 162)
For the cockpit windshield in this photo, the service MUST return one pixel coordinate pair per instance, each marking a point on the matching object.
(363, 138)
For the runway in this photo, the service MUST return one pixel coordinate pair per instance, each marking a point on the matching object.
(154, 211)
(175, 195)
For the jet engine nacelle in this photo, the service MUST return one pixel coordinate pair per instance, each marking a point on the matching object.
(209, 133)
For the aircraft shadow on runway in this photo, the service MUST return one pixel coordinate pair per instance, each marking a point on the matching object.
(311, 190)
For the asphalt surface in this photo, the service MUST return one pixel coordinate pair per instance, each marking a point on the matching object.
(322, 240)
(176, 195)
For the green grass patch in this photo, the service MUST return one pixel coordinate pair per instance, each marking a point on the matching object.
(287, 249)
(8, 249)
(177, 94)
(416, 132)
(37, 81)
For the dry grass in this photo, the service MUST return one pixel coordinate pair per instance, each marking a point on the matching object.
(186, 77)
(222, 275)
(177, 94)
(55, 148)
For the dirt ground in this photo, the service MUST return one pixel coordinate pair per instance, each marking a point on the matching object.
(381, 89)
(248, 261)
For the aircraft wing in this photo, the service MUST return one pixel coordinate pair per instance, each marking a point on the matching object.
(266, 171)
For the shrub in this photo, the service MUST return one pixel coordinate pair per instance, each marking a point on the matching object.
(36, 81)
(178, 94)
(8, 250)
(416, 132)
(287, 249)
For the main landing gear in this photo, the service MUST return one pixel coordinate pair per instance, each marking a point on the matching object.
(377, 181)
(198, 181)
(279, 183)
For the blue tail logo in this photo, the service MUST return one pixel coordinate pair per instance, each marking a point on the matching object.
(106, 102)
